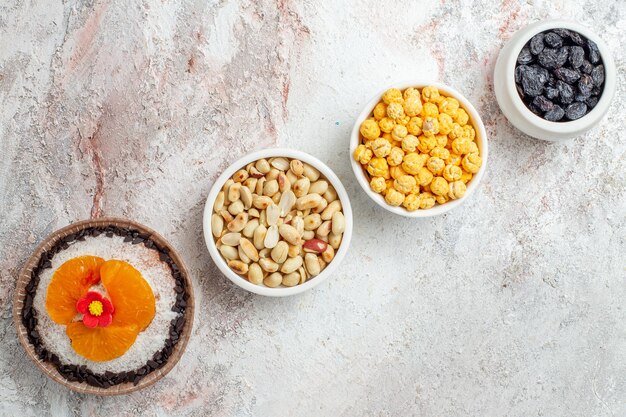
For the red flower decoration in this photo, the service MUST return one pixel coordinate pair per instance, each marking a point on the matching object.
(96, 310)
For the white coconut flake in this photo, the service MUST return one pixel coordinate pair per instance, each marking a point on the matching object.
(156, 272)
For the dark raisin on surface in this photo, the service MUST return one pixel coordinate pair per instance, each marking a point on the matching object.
(568, 75)
(525, 57)
(594, 52)
(576, 56)
(536, 44)
(575, 110)
(543, 103)
(597, 75)
(553, 40)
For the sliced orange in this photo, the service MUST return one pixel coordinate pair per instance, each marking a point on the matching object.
(130, 294)
(101, 343)
(69, 283)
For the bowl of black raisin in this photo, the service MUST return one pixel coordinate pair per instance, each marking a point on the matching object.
(554, 80)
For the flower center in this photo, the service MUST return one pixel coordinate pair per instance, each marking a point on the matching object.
(95, 308)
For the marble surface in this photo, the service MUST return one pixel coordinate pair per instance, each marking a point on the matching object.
(512, 305)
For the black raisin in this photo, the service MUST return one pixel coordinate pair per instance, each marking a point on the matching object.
(548, 58)
(536, 44)
(525, 57)
(555, 114)
(561, 56)
(532, 83)
(567, 75)
(575, 110)
(594, 52)
(543, 103)
(566, 92)
(519, 71)
(576, 38)
(585, 84)
(553, 40)
(597, 75)
(551, 93)
(586, 67)
(576, 56)
(591, 102)
(535, 110)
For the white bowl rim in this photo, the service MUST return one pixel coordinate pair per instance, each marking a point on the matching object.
(482, 146)
(572, 126)
(241, 163)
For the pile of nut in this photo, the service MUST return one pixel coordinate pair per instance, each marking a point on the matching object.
(277, 221)
(418, 148)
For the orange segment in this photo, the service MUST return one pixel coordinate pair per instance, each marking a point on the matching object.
(130, 294)
(101, 343)
(69, 283)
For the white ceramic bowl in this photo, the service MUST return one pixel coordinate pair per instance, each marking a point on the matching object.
(261, 289)
(514, 108)
(481, 141)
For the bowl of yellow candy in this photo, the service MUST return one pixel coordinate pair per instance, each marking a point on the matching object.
(419, 149)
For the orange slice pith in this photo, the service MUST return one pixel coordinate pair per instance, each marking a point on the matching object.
(69, 283)
(130, 294)
(101, 343)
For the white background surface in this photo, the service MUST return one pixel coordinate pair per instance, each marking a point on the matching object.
(511, 305)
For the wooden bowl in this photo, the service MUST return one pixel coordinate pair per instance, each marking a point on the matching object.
(48, 367)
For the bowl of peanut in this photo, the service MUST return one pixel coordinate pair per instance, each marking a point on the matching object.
(277, 222)
(419, 149)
